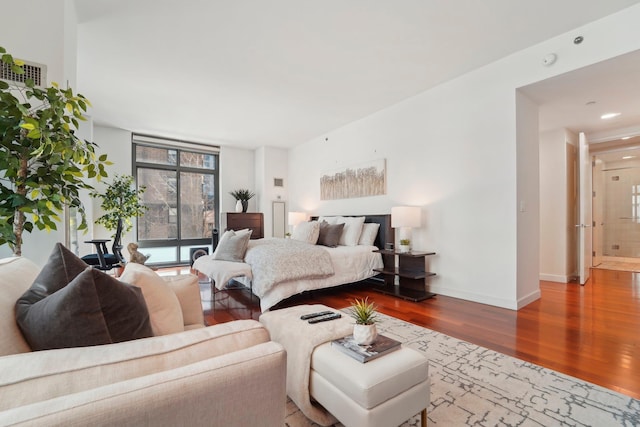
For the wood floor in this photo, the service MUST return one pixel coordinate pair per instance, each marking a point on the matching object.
(591, 332)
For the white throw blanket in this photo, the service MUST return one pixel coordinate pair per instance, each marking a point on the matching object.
(300, 338)
(275, 261)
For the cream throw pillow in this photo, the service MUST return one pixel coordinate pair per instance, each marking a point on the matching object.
(352, 230)
(369, 233)
(163, 305)
(307, 232)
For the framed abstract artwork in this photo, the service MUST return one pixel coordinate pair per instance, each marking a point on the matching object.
(361, 180)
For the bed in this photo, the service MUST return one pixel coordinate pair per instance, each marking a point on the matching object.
(269, 266)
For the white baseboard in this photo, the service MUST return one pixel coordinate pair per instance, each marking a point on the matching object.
(555, 278)
(533, 296)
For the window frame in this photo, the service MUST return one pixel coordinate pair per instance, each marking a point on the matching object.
(179, 146)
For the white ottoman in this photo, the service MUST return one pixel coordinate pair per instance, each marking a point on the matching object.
(383, 392)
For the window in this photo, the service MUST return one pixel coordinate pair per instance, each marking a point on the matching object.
(181, 195)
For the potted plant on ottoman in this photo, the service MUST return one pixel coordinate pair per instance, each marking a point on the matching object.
(366, 316)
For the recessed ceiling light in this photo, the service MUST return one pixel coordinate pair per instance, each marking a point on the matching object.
(628, 157)
(609, 116)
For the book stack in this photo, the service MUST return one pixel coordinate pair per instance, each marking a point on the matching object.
(365, 353)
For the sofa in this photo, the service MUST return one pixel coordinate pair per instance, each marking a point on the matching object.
(228, 374)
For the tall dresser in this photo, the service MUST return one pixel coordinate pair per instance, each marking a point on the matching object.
(252, 220)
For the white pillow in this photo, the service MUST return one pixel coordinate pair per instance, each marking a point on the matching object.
(226, 236)
(352, 230)
(165, 312)
(331, 220)
(307, 232)
(369, 233)
(232, 246)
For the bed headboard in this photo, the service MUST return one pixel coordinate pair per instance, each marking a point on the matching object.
(385, 232)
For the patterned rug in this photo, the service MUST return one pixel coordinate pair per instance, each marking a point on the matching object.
(474, 386)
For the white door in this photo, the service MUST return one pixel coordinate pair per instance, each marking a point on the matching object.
(585, 229)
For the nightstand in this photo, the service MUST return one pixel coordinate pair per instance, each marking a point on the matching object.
(411, 273)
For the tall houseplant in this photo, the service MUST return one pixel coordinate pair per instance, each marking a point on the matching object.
(120, 200)
(43, 165)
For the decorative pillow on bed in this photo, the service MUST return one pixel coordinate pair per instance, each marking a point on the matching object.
(331, 220)
(71, 304)
(307, 232)
(369, 233)
(330, 234)
(232, 246)
(352, 230)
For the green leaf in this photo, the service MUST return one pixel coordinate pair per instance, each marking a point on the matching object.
(4, 85)
(28, 126)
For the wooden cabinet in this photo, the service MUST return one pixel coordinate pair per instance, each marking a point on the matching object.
(411, 275)
(252, 220)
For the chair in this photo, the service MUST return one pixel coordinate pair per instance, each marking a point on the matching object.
(102, 259)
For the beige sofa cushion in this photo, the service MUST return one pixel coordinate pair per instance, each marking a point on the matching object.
(61, 372)
(187, 290)
(16, 276)
(163, 305)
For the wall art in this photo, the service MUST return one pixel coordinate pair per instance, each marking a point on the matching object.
(362, 180)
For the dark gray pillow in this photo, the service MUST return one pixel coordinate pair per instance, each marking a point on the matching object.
(330, 234)
(73, 305)
(232, 246)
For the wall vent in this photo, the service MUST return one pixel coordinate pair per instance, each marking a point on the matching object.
(278, 182)
(32, 70)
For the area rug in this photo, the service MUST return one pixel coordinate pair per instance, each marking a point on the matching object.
(475, 386)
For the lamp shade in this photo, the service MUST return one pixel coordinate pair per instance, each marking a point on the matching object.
(405, 216)
(296, 218)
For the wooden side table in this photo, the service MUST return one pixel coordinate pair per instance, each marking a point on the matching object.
(411, 274)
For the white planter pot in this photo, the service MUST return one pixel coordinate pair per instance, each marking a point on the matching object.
(365, 334)
(239, 206)
(405, 248)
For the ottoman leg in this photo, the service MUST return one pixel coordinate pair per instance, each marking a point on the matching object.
(423, 418)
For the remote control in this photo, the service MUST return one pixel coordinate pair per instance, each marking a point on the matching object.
(312, 315)
(325, 318)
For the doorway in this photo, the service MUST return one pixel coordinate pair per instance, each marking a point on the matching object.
(616, 175)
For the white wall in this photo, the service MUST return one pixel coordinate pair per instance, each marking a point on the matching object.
(553, 206)
(237, 170)
(270, 163)
(452, 150)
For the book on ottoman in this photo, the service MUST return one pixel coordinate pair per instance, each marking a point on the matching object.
(365, 353)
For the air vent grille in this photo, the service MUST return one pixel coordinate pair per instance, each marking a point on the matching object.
(32, 70)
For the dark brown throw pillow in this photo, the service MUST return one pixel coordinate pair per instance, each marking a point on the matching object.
(330, 234)
(73, 305)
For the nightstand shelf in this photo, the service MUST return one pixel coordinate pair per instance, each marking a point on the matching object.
(410, 272)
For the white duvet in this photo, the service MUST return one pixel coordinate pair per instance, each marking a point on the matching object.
(350, 264)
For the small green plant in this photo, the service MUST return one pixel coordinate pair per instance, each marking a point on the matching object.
(242, 194)
(364, 312)
(405, 242)
(120, 200)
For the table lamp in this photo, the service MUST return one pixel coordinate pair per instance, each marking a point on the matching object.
(405, 218)
(295, 218)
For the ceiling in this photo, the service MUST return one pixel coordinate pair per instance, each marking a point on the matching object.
(278, 73)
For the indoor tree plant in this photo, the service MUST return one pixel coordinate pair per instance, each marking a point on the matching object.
(120, 200)
(43, 165)
(365, 314)
(242, 196)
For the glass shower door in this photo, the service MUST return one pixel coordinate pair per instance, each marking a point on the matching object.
(621, 225)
